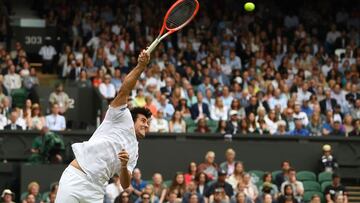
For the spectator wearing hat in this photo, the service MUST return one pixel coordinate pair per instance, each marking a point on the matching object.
(299, 129)
(328, 162)
(7, 196)
(336, 188)
(233, 125)
(220, 183)
(229, 164)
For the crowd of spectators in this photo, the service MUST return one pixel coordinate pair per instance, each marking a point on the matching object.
(273, 71)
(209, 182)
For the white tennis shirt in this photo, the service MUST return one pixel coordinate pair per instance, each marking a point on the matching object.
(98, 157)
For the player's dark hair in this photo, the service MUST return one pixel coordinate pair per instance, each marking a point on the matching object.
(140, 110)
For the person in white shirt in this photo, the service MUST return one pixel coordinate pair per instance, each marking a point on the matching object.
(12, 80)
(107, 89)
(299, 115)
(55, 121)
(113, 189)
(159, 124)
(47, 53)
(113, 148)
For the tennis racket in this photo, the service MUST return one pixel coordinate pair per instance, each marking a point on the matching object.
(177, 17)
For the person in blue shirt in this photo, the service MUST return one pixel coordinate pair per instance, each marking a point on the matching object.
(306, 108)
(137, 184)
(299, 129)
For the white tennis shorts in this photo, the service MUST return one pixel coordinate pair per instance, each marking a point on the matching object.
(75, 187)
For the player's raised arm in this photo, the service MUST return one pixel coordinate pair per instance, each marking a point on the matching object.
(130, 80)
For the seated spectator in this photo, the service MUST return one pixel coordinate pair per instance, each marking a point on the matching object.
(241, 197)
(21, 119)
(220, 183)
(184, 109)
(50, 197)
(124, 197)
(268, 187)
(336, 188)
(55, 121)
(150, 105)
(233, 125)
(299, 130)
(328, 162)
(194, 198)
(159, 124)
(221, 127)
(267, 198)
(299, 115)
(297, 186)
(201, 180)
(13, 122)
(139, 99)
(355, 111)
(270, 121)
(149, 189)
(199, 109)
(116, 80)
(218, 111)
(12, 80)
(202, 126)
(137, 184)
(107, 89)
(250, 189)
(113, 189)
(32, 193)
(144, 198)
(287, 195)
(3, 120)
(253, 106)
(328, 104)
(348, 124)
(178, 185)
(7, 196)
(229, 164)
(83, 81)
(6, 106)
(315, 127)
(281, 128)
(356, 131)
(60, 98)
(237, 176)
(315, 199)
(337, 129)
(339, 198)
(289, 119)
(166, 107)
(37, 119)
(160, 188)
(209, 167)
(190, 175)
(252, 123)
(177, 124)
(172, 197)
(191, 190)
(284, 175)
(219, 196)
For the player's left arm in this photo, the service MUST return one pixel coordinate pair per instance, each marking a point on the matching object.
(130, 80)
(125, 174)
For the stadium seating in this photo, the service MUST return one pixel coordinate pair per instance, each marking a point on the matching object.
(324, 176)
(324, 185)
(306, 175)
(311, 186)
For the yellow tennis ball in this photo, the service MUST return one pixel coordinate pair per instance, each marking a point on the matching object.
(249, 6)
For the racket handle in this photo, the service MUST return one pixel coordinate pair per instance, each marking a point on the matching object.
(153, 46)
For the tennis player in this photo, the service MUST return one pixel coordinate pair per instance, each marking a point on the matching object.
(113, 148)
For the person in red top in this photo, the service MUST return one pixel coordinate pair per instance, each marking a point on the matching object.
(190, 175)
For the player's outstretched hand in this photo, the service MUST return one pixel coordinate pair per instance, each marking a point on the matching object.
(123, 157)
(144, 58)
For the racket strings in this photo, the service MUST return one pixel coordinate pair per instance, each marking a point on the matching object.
(181, 13)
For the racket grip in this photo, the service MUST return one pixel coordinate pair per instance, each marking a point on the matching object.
(152, 46)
